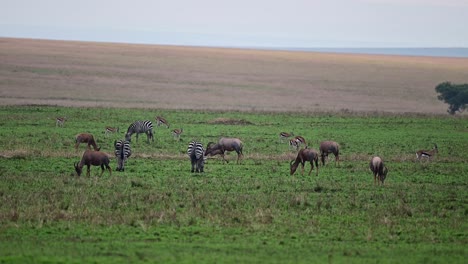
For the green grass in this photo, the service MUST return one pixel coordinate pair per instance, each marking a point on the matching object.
(157, 211)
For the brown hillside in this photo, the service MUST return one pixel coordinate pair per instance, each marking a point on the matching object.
(170, 77)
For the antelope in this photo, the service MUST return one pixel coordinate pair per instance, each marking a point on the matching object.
(327, 147)
(379, 170)
(223, 145)
(296, 142)
(161, 121)
(110, 130)
(303, 156)
(86, 138)
(95, 158)
(60, 121)
(427, 153)
(176, 133)
(285, 135)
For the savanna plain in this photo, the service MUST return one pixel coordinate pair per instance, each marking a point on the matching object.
(158, 211)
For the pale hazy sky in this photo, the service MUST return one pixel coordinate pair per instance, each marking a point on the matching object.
(248, 23)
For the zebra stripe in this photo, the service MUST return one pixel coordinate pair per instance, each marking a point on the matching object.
(140, 127)
(195, 151)
(122, 152)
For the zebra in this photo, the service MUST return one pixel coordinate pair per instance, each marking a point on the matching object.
(140, 127)
(195, 151)
(122, 152)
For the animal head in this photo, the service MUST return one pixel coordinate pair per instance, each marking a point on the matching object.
(384, 175)
(78, 169)
(293, 167)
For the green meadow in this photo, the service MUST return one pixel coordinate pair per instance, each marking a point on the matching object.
(157, 211)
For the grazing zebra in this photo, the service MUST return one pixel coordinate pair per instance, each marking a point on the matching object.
(122, 152)
(161, 121)
(195, 151)
(140, 127)
(60, 121)
(176, 133)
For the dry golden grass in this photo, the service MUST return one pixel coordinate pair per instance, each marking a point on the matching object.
(172, 77)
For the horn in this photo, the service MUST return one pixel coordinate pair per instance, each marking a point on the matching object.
(291, 163)
(74, 164)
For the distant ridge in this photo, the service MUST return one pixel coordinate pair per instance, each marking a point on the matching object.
(431, 52)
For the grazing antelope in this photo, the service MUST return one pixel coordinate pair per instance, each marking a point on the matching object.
(223, 145)
(296, 142)
(379, 170)
(303, 156)
(161, 121)
(111, 130)
(176, 133)
(95, 158)
(86, 138)
(285, 135)
(60, 121)
(195, 152)
(327, 147)
(427, 153)
(140, 127)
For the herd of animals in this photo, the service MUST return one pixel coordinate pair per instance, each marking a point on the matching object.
(198, 154)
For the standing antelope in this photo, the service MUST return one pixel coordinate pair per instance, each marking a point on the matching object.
(427, 153)
(95, 158)
(161, 121)
(296, 142)
(327, 147)
(110, 130)
(223, 145)
(379, 170)
(285, 135)
(86, 138)
(140, 127)
(303, 156)
(195, 152)
(122, 152)
(176, 133)
(60, 121)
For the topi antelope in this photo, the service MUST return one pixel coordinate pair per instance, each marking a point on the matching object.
(327, 147)
(285, 135)
(176, 133)
(223, 145)
(427, 153)
(60, 121)
(303, 156)
(296, 142)
(86, 138)
(111, 130)
(379, 170)
(95, 158)
(161, 121)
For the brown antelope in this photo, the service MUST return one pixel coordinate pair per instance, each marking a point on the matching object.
(60, 121)
(327, 147)
(223, 145)
(176, 133)
(161, 121)
(379, 170)
(303, 156)
(296, 142)
(285, 135)
(111, 130)
(86, 138)
(427, 153)
(95, 158)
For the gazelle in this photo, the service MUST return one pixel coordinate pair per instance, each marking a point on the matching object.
(296, 142)
(176, 133)
(285, 135)
(111, 130)
(60, 121)
(427, 153)
(161, 121)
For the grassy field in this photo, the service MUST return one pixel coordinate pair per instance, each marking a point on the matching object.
(88, 74)
(157, 211)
